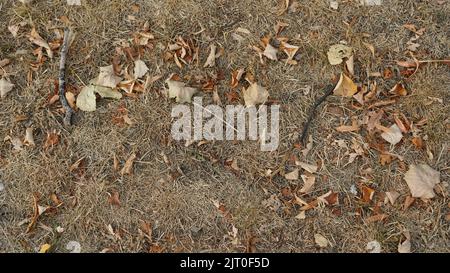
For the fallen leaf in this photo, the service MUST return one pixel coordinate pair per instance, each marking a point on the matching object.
(255, 94)
(211, 60)
(73, 247)
(290, 51)
(71, 99)
(393, 134)
(348, 128)
(308, 183)
(371, 48)
(301, 215)
(337, 53)
(371, 2)
(51, 140)
(236, 77)
(140, 69)
(345, 87)
(270, 52)
(29, 140)
(409, 200)
(320, 240)
(376, 218)
(308, 167)
(113, 198)
(405, 246)
(128, 167)
(392, 196)
(74, 2)
(106, 92)
(86, 99)
(36, 39)
(5, 87)
(399, 90)
(292, 175)
(367, 193)
(373, 247)
(334, 4)
(45, 248)
(421, 180)
(107, 77)
(180, 91)
(418, 142)
(14, 29)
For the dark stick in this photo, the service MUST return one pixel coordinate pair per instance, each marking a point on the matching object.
(62, 79)
(328, 91)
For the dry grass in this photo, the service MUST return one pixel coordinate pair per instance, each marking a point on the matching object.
(181, 210)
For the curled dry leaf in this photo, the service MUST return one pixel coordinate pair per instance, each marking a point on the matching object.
(345, 87)
(391, 196)
(5, 87)
(36, 39)
(113, 198)
(392, 134)
(211, 60)
(128, 167)
(292, 175)
(320, 240)
(308, 167)
(337, 53)
(405, 246)
(290, 51)
(140, 69)
(107, 77)
(373, 247)
(399, 90)
(270, 52)
(180, 91)
(255, 94)
(29, 140)
(421, 180)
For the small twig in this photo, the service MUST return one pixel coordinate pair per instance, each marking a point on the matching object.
(62, 79)
(328, 91)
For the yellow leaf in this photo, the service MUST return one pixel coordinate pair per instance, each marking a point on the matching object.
(45, 248)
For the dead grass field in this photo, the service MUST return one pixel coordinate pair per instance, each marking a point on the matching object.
(176, 199)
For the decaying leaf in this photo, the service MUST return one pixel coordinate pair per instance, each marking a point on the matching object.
(5, 87)
(337, 53)
(73, 247)
(255, 94)
(373, 247)
(107, 77)
(140, 69)
(292, 175)
(421, 180)
(320, 240)
(128, 167)
(399, 90)
(180, 91)
(345, 87)
(392, 134)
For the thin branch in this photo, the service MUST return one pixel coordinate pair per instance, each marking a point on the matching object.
(62, 79)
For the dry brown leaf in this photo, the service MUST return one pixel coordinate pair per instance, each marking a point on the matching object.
(399, 90)
(306, 166)
(345, 87)
(128, 167)
(51, 140)
(14, 29)
(107, 77)
(211, 60)
(308, 183)
(421, 180)
(320, 240)
(29, 139)
(367, 193)
(140, 69)
(376, 218)
(180, 91)
(36, 39)
(292, 175)
(371, 48)
(255, 94)
(405, 246)
(113, 198)
(392, 134)
(290, 51)
(270, 52)
(5, 87)
(391, 196)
